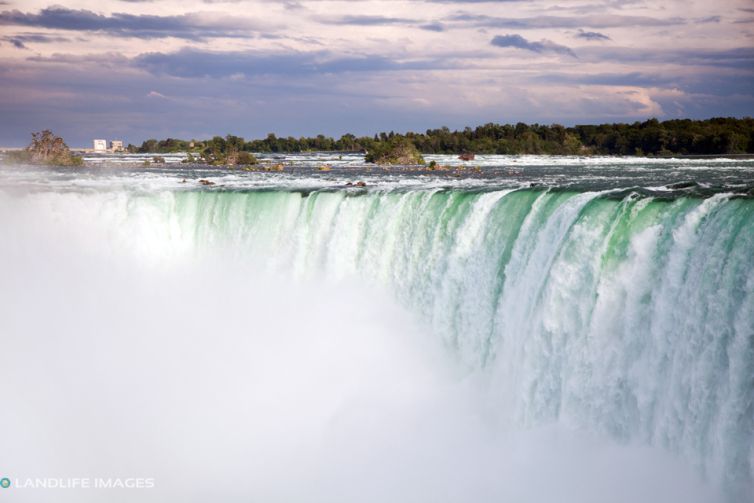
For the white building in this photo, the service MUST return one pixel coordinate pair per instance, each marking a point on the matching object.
(116, 146)
(100, 145)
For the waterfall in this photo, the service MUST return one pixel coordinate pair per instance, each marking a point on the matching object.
(607, 311)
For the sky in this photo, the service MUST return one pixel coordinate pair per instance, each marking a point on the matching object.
(138, 69)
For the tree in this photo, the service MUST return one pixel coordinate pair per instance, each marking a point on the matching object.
(48, 148)
(396, 151)
(651, 137)
(149, 146)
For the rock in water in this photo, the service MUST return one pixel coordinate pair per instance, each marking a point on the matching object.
(48, 148)
(396, 151)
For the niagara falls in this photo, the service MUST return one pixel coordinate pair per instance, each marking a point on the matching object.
(479, 338)
(376, 251)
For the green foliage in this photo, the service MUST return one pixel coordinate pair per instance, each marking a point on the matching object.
(149, 146)
(685, 137)
(246, 159)
(18, 157)
(651, 137)
(46, 148)
(167, 146)
(396, 150)
(228, 151)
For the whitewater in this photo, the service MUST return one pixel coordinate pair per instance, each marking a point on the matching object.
(538, 329)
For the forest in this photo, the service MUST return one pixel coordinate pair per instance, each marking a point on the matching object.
(649, 138)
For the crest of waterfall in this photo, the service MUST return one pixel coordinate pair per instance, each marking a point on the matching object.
(620, 312)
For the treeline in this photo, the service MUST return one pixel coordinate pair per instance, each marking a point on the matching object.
(651, 137)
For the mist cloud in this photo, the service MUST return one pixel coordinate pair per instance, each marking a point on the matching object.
(150, 361)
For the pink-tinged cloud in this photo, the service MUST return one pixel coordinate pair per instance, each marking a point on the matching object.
(164, 67)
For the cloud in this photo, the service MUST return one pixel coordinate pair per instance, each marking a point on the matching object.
(592, 35)
(293, 5)
(519, 42)
(18, 44)
(433, 27)
(41, 38)
(20, 41)
(77, 96)
(550, 22)
(193, 63)
(363, 20)
(193, 26)
(369, 20)
(475, 1)
(80, 96)
(739, 58)
(631, 79)
(254, 59)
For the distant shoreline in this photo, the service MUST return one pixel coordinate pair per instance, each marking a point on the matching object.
(125, 160)
(721, 137)
(340, 152)
(84, 151)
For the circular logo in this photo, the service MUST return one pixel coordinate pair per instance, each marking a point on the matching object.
(5, 483)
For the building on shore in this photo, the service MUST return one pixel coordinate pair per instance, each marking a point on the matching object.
(102, 146)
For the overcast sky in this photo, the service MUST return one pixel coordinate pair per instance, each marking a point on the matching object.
(135, 69)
